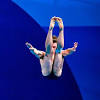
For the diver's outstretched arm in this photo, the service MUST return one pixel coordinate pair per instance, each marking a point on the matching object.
(34, 51)
(70, 50)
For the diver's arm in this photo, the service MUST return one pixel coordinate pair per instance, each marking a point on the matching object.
(70, 50)
(34, 51)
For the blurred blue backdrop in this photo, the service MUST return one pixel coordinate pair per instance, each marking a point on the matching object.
(73, 12)
(28, 20)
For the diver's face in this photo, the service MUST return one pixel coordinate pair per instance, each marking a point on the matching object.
(54, 46)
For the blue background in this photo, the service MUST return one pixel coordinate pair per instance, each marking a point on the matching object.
(28, 20)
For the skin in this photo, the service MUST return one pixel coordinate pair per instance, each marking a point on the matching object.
(52, 55)
(54, 47)
(65, 52)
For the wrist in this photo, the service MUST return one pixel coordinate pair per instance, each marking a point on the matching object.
(31, 48)
(73, 49)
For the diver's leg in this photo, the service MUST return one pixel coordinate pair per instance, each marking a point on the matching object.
(49, 41)
(60, 41)
(46, 66)
(58, 62)
(58, 65)
(46, 63)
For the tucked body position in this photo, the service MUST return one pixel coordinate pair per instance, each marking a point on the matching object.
(52, 59)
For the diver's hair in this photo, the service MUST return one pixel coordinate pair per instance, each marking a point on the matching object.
(54, 39)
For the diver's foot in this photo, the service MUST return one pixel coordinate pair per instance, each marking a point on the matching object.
(60, 22)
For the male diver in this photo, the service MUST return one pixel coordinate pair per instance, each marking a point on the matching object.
(52, 59)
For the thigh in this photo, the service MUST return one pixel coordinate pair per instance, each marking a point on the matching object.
(46, 65)
(58, 64)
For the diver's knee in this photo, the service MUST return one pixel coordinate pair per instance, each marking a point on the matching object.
(46, 73)
(58, 73)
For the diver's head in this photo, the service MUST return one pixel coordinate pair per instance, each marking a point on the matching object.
(54, 42)
(54, 39)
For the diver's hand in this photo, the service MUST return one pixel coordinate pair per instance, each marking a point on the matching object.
(28, 45)
(75, 46)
